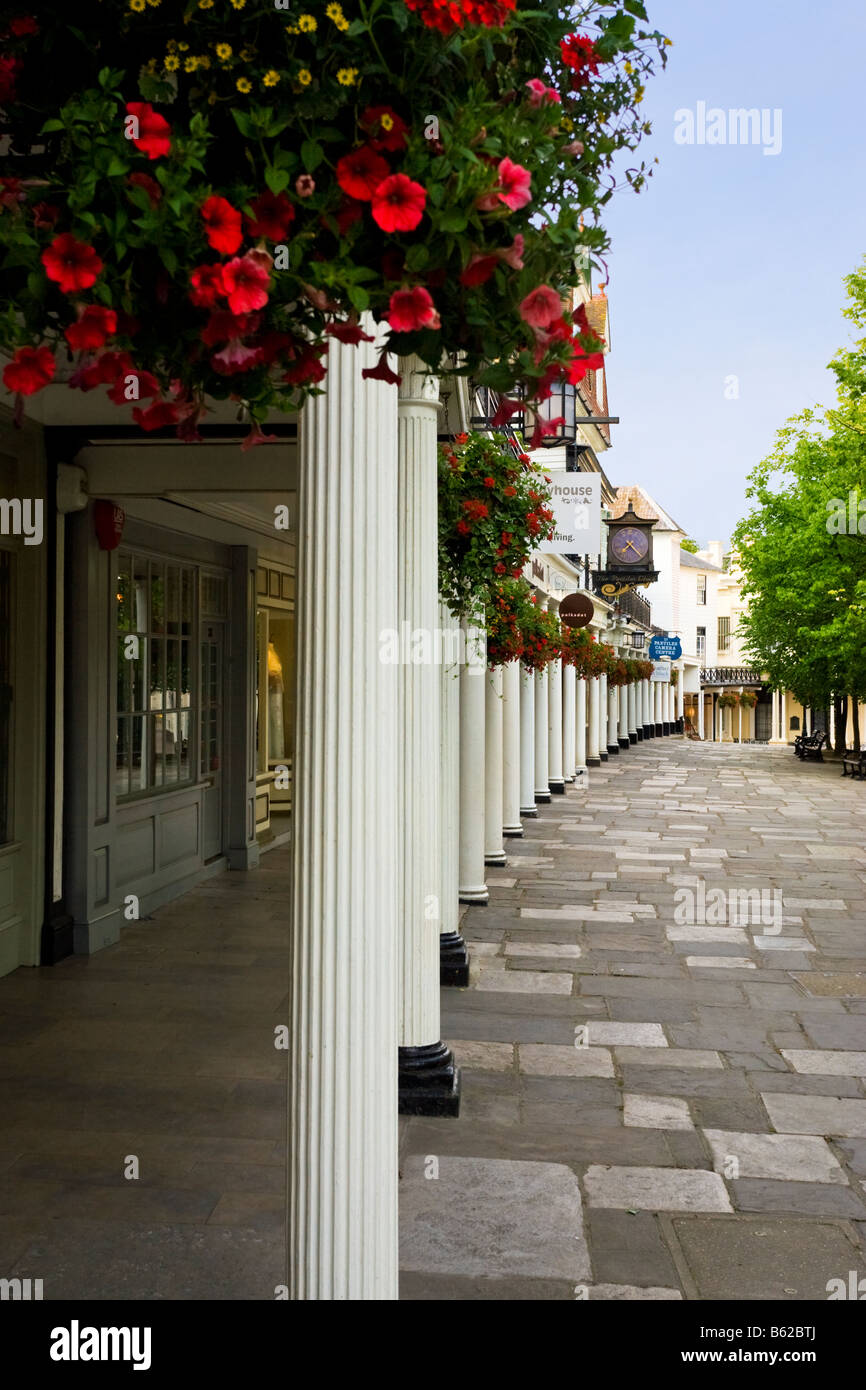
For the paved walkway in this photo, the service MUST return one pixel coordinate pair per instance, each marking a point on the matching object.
(664, 1084)
(161, 1048)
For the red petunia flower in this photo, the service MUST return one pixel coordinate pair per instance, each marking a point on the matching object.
(490, 482)
(381, 372)
(73, 264)
(305, 185)
(348, 332)
(306, 369)
(222, 225)
(156, 416)
(273, 213)
(246, 281)
(11, 193)
(398, 204)
(510, 491)
(94, 325)
(223, 325)
(541, 307)
(235, 357)
(273, 345)
(29, 370)
(464, 528)
(25, 24)
(514, 180)
(10, 66)
(360, 172)
(207, 285)
(461, 438)
(393, 263)
(150, 186)
(153, 130)
(580, 54)
(390, 136)
(478, 270)
(409, 310)
(540, 94)
(45, 215)
(349, 212)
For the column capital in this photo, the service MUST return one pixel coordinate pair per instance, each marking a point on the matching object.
(419, 386)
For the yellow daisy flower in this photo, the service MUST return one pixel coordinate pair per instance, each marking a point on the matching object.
(137, 5)
(305, 77)
(246, 54)
(190, 64)
(171, 46)
(347, 76)
(335, 12)
(224, 51)
(205, 4)
(342, 23)
(171, 63)
(183, 46)
(271, 78)
(307, 24)
(244, 85)
(386, 121)
(239, 4)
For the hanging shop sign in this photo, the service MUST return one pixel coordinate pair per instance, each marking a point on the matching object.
(576, 610)
(661, 671)
(576, 505)
(665, 648)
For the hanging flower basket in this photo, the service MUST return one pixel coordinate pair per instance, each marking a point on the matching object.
(493, 510)
(748, 699)
(199, 198)
(541, 635)
(728, 701)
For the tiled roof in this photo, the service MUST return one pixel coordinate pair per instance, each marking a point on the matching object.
(596, 316)
(633, 496)
(694, 562)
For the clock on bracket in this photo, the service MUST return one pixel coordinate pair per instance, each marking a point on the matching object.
(629, 542)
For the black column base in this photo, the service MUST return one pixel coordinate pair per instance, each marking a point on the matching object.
(428, 1081)
(624, 743)
(666, 728)
(512, 834)
(659, 730)
(648, 731)
(593, 762)
(557, 788)
(528, 811)
(603, 756)
(680, 725)
(640, 733)
(542, 798)
(632, 738)
(613, 748)
(453, 960)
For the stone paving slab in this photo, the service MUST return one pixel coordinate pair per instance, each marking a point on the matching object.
(732, 1038)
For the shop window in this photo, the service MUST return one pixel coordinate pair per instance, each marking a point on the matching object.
(276, 683)
(154, 689)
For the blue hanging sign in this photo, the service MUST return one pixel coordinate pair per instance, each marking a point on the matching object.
(662, 648)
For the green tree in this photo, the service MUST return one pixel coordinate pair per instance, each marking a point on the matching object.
(802, 547)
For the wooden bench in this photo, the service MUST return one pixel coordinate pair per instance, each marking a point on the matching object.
(856, 762)
(810, 745)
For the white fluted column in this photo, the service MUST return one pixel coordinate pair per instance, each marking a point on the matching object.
(494, 852)
(603, 739)
(418, 863)
(680, 690)
(342, 1131)
(632, 710)
(511, 826)
(569, 733)
(593, 752)
(580, 772)
(554, 727)
(542, 738)
(612, 719)
(453, 956)
(776, 721)
(527, 743)
(473, 888)
(783, 716)
(646, 719)
(622, 715)
(701, 711)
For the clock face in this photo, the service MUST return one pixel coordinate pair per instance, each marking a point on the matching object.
(629, 545)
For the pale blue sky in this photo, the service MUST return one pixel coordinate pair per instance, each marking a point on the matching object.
(731, 262)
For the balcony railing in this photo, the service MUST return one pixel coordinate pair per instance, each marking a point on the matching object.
(729, 675)
(633, 605)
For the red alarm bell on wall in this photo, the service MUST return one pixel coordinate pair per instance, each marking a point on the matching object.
(108, 519)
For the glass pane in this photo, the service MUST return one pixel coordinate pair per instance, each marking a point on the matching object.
(125, 613)
(157, 749)
(186, 600)
(123, 695)
(185, 714)
(261, 686)
(157, 597)
(172, 597)
(138, 753)
(280, 686)
(137, 673)
(122, 758)
(139, 586)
